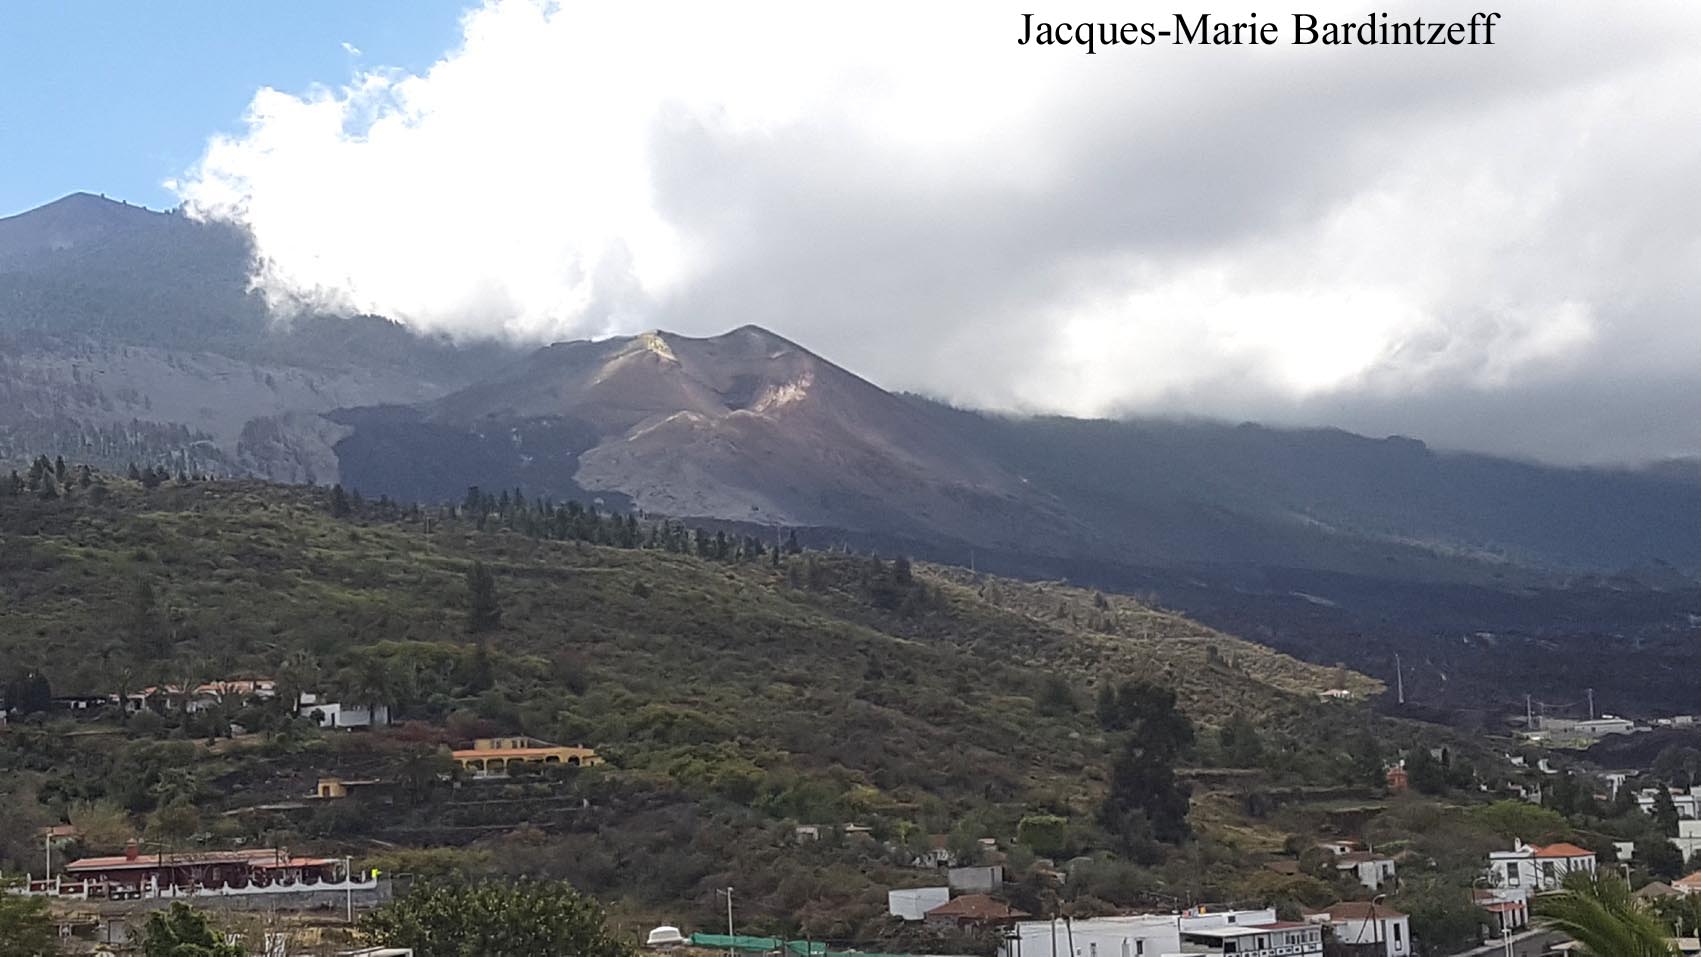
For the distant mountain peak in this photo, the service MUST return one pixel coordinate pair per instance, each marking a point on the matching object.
(69, 222)
(85, 204)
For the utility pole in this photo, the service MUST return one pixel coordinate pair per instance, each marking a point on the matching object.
(729, 934)
(348, 882)
(1529, 715)
(1591, 704)
(1399, 678)
(47, 843)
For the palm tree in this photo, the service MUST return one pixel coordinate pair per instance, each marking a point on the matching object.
(1599, 912)
(298, 673)
(372, 681)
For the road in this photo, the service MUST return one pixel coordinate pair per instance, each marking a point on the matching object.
(1531, 943)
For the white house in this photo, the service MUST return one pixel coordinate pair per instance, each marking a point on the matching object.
(234, 691)
(333, 714)
(913, 903)
(1265, 939)
(1137, 935)
(1508, 908)
(1369, 928)
(1688, 839)
(1534, 868)
(1369, 868)
(1592, 728)
(1688, 803)
(1205, 918)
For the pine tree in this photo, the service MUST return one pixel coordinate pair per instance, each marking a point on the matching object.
(1145, 801)
(339, 501)
(901, 573)
(792, 547)
(484, 610)
(59, 468)
(147, 637)
(1240, 743)
(29, 693)
(481, 674)
(1665, 811)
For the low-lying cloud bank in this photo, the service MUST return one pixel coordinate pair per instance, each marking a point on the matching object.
(1490, 247)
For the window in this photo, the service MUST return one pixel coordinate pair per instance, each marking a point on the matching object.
(1397, 940)
(1093, 949)
(1140, 946)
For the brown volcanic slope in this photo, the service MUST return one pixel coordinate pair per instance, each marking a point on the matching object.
(752, 427)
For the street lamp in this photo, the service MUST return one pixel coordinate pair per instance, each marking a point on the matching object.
(730, 943)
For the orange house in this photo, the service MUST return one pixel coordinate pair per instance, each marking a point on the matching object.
(493, 755)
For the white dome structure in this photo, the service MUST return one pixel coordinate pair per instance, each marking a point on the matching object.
(665, 936)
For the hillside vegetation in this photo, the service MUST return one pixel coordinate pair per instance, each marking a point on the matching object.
(734, 693)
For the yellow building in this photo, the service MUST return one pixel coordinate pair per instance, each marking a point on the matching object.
(493, 755)
(333, 788)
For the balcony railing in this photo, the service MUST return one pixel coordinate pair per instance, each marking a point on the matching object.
(74, 889)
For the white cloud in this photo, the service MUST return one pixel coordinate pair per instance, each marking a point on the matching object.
(1277, 234)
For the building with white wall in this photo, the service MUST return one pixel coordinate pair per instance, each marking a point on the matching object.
(1368, 929)
(1134, 935)
(1534, 868)
(1270, 939)
(1369, 868)
(912, 904)
(334, 714)
(1688, 803)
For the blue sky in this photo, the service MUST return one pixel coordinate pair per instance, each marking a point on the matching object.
(116, 97)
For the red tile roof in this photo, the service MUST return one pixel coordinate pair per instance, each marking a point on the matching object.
(264, 858)
(976, 907)
(1563, 849)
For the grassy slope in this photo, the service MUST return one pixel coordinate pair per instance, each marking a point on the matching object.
(723, 683)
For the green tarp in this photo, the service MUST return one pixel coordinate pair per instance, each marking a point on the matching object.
(761, 945)
(771, 945)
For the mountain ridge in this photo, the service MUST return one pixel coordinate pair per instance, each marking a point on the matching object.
(129, 335)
